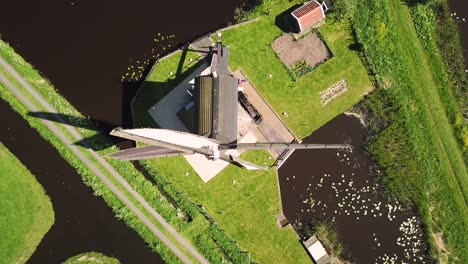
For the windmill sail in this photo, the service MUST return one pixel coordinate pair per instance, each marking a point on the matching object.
(243, 163)
(147, 152)
(276, 145)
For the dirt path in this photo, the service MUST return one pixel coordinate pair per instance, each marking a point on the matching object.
(90, 164)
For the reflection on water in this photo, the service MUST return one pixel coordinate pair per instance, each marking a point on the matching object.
(341, 187)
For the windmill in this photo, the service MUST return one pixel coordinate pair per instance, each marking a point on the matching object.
(166, 143)
(216, 101)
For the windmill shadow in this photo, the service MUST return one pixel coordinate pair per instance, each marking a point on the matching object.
(94, 142)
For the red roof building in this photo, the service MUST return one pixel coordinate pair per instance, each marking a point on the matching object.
(309, 14)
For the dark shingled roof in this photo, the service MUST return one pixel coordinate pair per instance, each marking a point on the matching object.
(225, 109)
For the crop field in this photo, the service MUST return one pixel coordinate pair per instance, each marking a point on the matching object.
(26, 210)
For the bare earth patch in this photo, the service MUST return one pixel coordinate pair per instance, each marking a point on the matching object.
(333, 91)
(309, 49)
(440, 244)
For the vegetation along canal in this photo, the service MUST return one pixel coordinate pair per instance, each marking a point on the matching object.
(341, 189)
(83, 221)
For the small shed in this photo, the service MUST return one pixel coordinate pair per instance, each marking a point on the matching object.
(309, 14)
(316, 250)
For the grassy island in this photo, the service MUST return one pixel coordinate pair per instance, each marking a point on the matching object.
(91, 258)
(253, 201)
(26, 211)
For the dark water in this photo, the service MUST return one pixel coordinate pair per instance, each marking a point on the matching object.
(340, 188)
(84, 47)
(460, 8)
(83, 222)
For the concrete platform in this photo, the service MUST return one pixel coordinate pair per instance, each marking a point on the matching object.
(207, 169)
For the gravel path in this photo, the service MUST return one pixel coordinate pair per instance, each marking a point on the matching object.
(90, 164)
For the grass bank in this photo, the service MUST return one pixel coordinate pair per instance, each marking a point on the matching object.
(26, 211)
(415, 139)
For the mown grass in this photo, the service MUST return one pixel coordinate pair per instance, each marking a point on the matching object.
(417, 144)
(91, 258)
(26, 211)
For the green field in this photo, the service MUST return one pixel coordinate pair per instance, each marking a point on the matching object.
(91, 258)
(418, 145)
(26, 211)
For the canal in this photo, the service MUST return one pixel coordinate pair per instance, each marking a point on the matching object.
(84, 47)
(83, 221)
(341, 188)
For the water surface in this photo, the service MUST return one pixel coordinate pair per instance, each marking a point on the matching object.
(342, 189)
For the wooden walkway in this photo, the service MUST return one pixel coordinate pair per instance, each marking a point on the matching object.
(272, 128)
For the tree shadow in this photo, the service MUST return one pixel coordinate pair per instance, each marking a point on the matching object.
(98, 141)
(356, 47)
(286, 22)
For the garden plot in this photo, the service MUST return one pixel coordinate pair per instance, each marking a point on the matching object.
(301, 55)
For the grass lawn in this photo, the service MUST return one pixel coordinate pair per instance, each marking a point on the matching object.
(247, 209)
(26, 211)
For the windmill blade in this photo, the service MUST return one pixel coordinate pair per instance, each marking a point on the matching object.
(276, 145)
(147, 152)
(243, 163)
(170, 139)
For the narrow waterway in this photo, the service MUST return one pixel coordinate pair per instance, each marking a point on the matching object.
(83, 221)
(341, 188)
